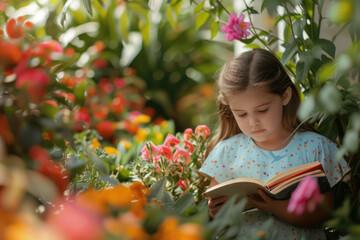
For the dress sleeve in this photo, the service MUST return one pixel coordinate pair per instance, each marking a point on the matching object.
(326, 152)
(212, 166)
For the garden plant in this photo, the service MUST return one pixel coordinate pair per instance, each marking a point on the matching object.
(106, 111)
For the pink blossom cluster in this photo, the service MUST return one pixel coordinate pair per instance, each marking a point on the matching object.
(236, 28)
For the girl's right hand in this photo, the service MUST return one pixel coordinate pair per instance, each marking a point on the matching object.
(215, 204)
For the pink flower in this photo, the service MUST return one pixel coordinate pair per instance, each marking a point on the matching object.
(74, 222)
(188, 134)
(171, 140)
(305, 197)
(164, 151)
(189, 146)
(236, 28)
(146, 154)
(202, 130)
(182, 155)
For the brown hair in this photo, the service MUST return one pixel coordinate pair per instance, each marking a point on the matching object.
(254, 68)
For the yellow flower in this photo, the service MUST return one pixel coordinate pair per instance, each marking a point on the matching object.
(164, 124)
(142, 118)
(126, 144)
(141, 135)
(159, 137)
(95, 144)
(111, 151)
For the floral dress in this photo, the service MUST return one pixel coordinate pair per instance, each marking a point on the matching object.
(238, 156)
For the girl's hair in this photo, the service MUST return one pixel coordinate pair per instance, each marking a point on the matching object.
(255, 68)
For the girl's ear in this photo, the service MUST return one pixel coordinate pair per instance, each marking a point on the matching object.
(286, 96)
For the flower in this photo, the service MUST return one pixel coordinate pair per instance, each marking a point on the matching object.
(202, 130)
(236, 28)
(146, 154)
(182, 155)
(111, 151)
(181, 183)
(35, 81)
(105, 129)
(171, 140)
(188, 134)
(189, 146)
(15, 29)
(165, 151)
(305, 197)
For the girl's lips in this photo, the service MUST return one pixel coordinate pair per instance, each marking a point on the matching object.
(258, 131)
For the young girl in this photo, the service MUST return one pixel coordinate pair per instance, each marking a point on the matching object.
(256, 138)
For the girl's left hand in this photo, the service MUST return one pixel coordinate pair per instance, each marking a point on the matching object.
(266, 203)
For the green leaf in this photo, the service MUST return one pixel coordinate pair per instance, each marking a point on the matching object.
(124, 25)
(351, 141)
(157, 190)
(88, 7)
(326, 72)
(303, 66)
(201, 19)
(316, 52)
(306, 108)
(326, 45)
(214, 27)
(170, 16)
(290, 51)
(199, 7)
(74, 162)
(183, 203)
(79, 92)
(64, 11)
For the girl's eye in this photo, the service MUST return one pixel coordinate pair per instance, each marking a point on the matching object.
(242, 115)
(263, 110)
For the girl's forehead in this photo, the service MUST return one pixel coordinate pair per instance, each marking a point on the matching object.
(251, 98)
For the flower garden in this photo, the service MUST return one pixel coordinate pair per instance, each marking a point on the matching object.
(107, 107)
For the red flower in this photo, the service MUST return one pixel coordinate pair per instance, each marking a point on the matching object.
(182, 183)
(5, 132)
(202, 130)
(49, 168)
(236, 28)
(35, 81)
(171, 140)
(10, 53)
(82, 117)
(106, 129)
(46, 49)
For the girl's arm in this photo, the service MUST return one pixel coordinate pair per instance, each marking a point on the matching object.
(279, 209)
(215, 203)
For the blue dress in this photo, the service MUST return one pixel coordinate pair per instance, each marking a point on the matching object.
(238, 156)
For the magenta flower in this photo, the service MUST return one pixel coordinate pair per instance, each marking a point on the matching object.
(236, 28)
(305, 197)
(171, 140)
(146, 153)
(202, 130)
(181, 155)
(188, 134)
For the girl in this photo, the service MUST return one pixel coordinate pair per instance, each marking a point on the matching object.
(258, 104)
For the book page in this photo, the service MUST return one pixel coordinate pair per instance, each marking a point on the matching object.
(293, 172)
(278, 188)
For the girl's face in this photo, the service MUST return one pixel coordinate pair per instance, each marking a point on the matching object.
(258, 113)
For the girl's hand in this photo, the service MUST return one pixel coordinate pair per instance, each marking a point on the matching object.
(266, 203)
(215, 204)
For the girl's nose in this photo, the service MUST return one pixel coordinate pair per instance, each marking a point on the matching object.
(254, 122)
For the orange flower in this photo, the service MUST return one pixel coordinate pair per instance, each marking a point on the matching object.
(203, 131)
(15, 29)
(171, 229)
(10, 53)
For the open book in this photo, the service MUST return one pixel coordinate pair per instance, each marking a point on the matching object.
(279, 187)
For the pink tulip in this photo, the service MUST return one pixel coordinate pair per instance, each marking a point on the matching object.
(189, 146)
(182, 155)
(202, 130)
(236, 28)
(164, 151)
(188, 134)
(171, 141)
(146, 153)
(305, 197)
